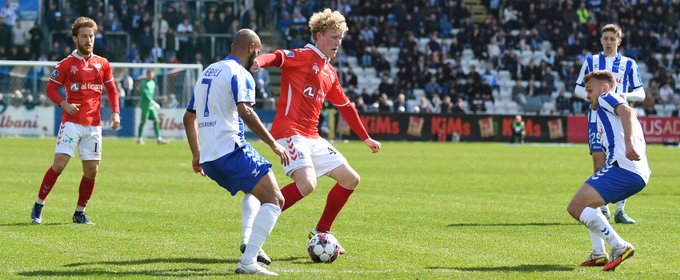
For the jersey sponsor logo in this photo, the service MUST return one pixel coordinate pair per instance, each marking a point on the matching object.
(309, 91)
(74, 87)
(55, 74)
(92, 86)
(320, 95)
(67, 140)
(207, 124)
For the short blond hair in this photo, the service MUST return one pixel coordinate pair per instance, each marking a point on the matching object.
(612, 28)
(601, 75)
(326, 20)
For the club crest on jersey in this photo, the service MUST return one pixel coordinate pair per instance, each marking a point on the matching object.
(74, 69)
(55, 74)
(316, 69)
(97, 66)
(74, 86)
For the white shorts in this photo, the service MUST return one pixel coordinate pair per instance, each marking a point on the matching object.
(311, 152)
(87, 138)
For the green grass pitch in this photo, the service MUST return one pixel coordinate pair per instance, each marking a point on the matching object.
(422, 211)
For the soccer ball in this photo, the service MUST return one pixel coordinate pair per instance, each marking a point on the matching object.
(323, 247)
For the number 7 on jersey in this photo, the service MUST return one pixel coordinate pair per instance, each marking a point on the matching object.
(208, 82)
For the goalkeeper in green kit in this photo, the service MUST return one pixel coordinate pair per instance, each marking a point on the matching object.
(149, 108)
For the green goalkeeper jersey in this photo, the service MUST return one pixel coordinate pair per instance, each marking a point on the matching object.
(146, 92)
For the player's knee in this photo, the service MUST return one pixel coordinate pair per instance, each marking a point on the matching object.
(306, 186)
(58, 167)
(90, 172)
(279, 200)
(351, 182)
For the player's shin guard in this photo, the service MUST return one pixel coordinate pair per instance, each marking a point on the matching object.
(598, 224)
(291, 194)
(47, 184)
(262, 227)
(336, 199)
(85, 191)
(249, 208)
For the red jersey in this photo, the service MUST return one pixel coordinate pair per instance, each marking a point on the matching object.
(307, 79)
(84, 79)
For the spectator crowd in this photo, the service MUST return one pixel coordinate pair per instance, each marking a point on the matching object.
(433, 36)
(431, 56)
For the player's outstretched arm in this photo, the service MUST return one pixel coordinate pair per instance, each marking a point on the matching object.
(351, 116)
(266, 60)
(191, 130)
(246, 112)
(628, 115)
(637, 95)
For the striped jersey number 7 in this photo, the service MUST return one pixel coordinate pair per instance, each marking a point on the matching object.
(208, 82)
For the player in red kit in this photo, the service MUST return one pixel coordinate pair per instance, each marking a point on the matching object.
(84, 76)
(308, 78)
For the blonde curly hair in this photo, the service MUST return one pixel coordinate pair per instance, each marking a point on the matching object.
(328, 19)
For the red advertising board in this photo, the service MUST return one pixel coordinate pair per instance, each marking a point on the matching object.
(657, 130)
(660, 130)
(577, 129)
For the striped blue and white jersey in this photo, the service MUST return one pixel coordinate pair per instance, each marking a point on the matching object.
(625, 71)
(217, 93)
(610, 133)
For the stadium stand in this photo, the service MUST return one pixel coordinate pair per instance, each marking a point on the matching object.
(470, 45)
(474, 49)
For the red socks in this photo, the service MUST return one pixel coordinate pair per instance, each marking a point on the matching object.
(336, 199)
(291, 195)
(47, 183)
(85, 191)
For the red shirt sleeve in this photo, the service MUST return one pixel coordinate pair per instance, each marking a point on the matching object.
(59, 73)
(112, 93)
(111, 90)
(271, 59)
(347, 110)
(351, 116)
(57, 79)
(52, 92)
